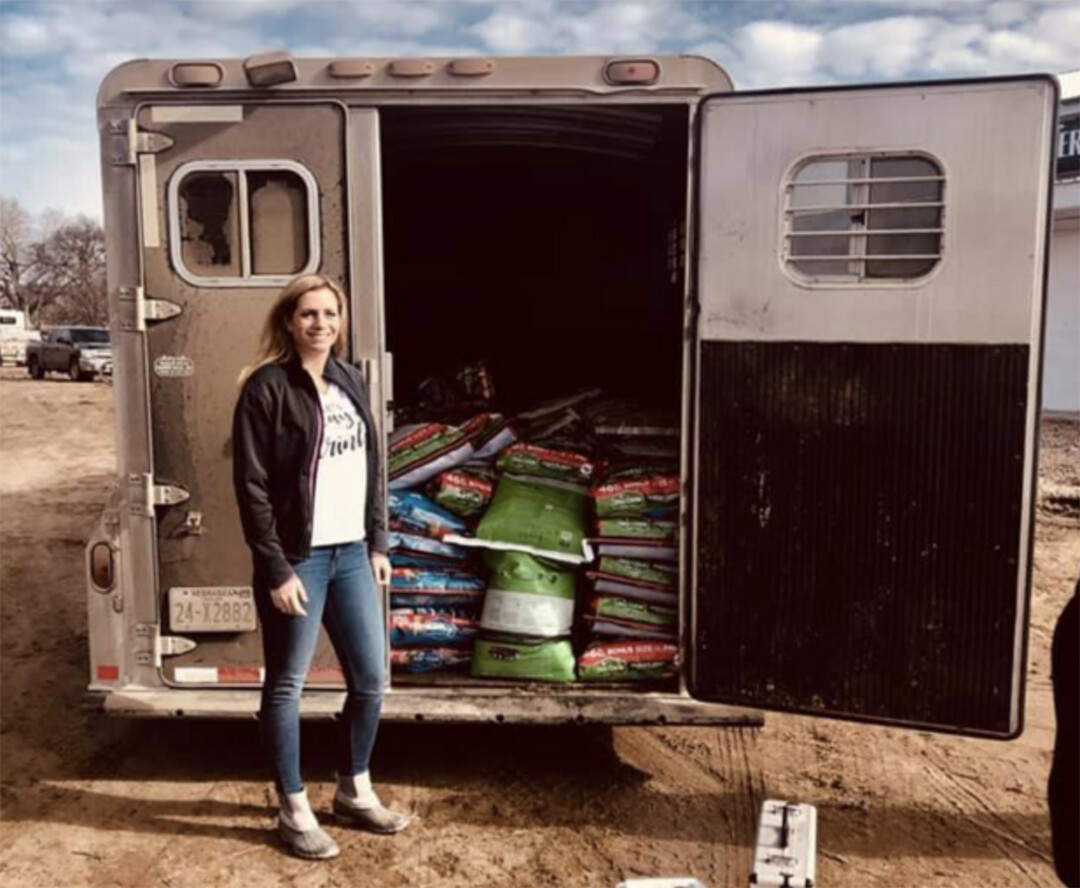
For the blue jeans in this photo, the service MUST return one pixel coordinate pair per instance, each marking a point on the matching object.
(342, 596)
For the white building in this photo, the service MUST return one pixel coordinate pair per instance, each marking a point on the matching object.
(1061, 374)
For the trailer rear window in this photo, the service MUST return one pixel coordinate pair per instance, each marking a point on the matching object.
(243, 223)
(861, 218)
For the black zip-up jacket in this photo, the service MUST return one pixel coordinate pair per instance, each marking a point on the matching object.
(277, 433)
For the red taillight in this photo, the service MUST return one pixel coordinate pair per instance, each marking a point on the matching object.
(108, 673)
(640, 72)
(239, 674)
(102, 573)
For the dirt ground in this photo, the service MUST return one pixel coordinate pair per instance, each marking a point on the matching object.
(89, 801)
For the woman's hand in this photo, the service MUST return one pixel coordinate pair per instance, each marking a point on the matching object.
(288, 595)
(380, 566)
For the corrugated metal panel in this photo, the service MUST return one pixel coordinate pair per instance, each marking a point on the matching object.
(859, 529)
(631, 133)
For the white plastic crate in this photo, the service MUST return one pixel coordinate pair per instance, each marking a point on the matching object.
(786, 845)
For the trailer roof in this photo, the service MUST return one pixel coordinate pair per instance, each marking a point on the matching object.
(282, 74)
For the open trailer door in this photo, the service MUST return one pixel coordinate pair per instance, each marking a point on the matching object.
(870, 281)
(235, 200)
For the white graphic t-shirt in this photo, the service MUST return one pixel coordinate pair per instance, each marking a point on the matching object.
(341, 482)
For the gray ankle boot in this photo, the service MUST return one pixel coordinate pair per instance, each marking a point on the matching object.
(310, 844)
(376, 819)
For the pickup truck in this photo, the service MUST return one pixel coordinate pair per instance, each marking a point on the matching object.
(81, 352)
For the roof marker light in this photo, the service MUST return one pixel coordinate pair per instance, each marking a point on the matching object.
(471, 67)
(350, 68)
(270, 69)
(640, 72)
(196, 74)
(411, 68)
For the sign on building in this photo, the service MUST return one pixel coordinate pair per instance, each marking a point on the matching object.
(1068, 146)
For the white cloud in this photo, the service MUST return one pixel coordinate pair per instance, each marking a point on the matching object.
(782, 53)
(772, 53)
(243, 10)
(1005, 13)
(24, 36)
(886, 49)
(1010, 50)
(956, 50)
(509, 32)
(55, 172)
(540, 26)
(402, 18)
(85, 46)
(1060, 27)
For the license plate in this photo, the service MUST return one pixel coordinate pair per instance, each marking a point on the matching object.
(212, 609)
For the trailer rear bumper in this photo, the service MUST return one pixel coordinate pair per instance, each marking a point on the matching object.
(437, 706)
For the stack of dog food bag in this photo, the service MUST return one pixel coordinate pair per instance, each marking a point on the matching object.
(533, 536)
(631, 615)
(490, 523)
(435, 595)
(436, 588)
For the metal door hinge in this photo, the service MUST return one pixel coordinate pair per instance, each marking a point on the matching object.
(145, 307)
(152, 143)
(148, 631)
(128, 144)
(171, 646)
(144, 494)
(160, 645)
(160, 309)
(169, 495)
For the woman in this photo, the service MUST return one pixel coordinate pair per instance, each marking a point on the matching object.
(307, 477)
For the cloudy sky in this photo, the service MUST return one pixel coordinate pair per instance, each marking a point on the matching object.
(54, 54)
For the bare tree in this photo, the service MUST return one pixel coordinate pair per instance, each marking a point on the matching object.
(16, 260)
(52, 267)
(69, 268)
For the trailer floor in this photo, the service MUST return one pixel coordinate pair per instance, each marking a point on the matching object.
(88, 801)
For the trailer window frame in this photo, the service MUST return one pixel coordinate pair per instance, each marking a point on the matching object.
(240, 168)
(861, 268)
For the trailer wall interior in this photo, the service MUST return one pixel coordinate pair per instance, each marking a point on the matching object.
(542, 241)
(536, 239)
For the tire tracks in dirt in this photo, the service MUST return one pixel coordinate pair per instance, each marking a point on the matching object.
(712, 761)
(962, 799)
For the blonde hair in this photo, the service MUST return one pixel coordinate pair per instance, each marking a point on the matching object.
(276, 344)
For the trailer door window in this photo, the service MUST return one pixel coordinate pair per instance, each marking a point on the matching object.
(210, 225)
(243, 223)
(868, 217)
(277, 209)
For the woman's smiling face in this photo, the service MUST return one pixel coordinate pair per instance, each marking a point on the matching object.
(316, 322)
